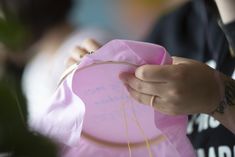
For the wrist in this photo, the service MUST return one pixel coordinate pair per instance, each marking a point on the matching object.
(227, 92)
(225, 111)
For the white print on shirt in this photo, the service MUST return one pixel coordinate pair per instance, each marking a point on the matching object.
(212, 64)
(203, 122)
(221, 151)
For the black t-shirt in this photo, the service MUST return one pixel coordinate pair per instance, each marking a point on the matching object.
(192, 31)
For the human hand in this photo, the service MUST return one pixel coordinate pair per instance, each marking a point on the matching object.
(185, 87)
(87, 46)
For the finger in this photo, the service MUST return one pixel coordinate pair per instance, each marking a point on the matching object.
(180, 60)
(140, 97)
(90, 45)
(81, 52)
(157, 103)
(76, 56)
(70, 62)
(150, 88)
(155, 73)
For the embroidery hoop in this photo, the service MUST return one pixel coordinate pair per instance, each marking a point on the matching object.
(175, 142)
(101, 141)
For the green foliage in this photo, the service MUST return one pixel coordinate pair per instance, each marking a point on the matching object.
(12, 34)
(14, 134)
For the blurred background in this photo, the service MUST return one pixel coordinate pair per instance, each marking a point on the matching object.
(36, 39)
(130, 19)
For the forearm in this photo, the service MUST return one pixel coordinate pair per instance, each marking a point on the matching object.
(225, 112)
(226, 10)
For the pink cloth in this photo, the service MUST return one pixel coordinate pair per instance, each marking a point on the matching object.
(64, 118)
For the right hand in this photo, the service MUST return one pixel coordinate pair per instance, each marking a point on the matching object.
(185, 87)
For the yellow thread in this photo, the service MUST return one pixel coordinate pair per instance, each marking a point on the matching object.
(126, 129)
(147, 143)
(148, 146)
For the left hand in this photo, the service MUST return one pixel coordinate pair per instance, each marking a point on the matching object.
(185, 87)
(87, 46)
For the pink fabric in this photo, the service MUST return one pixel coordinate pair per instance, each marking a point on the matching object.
(77, 107)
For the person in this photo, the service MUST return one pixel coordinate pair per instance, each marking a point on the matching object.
(30, 24)
(48, 39)
(51, 38)
(189, 86)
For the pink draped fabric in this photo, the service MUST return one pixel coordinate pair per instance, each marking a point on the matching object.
(70, 112)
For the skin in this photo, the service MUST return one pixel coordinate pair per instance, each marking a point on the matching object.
(87, 46)
(178, 87)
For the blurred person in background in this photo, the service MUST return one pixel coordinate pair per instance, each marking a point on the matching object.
(127, 19)
(50, 40)
(22, 23)
(15, 138)
(36, 39)
(26, 22)
(136, 17)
